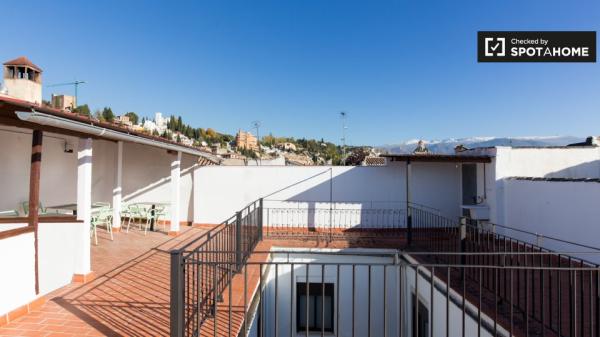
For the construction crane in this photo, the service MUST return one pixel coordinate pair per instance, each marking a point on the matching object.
(75, 84)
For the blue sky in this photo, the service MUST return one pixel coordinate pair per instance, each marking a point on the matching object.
(401, 69)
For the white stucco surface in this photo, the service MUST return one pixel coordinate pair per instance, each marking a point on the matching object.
(58, 180)
(58, 251)
(17, 286)
(146, 172)
(563, 209)
(220, 191)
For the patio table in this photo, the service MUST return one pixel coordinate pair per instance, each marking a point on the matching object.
(67, 207)
(152, 205)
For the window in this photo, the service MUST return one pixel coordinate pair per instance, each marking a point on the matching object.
(320, 308)
(422, 319)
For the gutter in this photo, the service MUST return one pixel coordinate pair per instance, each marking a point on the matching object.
(64, 123)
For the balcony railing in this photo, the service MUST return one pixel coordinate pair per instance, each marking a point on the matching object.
(497, 285)
(194, 284)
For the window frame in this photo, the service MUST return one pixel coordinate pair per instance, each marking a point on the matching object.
(315, 290)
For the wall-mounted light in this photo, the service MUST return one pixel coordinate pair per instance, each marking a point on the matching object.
(68, 147)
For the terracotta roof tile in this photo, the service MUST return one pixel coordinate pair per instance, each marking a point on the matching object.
(22, 61)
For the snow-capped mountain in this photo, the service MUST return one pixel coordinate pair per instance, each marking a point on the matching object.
(447, 145)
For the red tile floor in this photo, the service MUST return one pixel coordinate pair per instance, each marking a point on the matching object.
(128, 297)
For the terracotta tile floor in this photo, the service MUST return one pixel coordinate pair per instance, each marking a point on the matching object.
(128, 297)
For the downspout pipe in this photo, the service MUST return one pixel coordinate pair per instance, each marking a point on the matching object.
(64, 123)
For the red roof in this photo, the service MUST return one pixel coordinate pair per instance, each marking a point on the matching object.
(22, 61)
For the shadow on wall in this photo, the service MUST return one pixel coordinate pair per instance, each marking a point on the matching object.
(589, 169)
(336, 203)
(145, 193)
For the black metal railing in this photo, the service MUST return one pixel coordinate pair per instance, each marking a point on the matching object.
(282, 222)
(194, 284)
(545, 286)
(373, 294)
(506, 286)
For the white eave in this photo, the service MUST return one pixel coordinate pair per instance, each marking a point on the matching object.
(64, 123)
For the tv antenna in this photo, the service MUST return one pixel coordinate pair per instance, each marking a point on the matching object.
(76, 84)
(256, 125)
(343, 116)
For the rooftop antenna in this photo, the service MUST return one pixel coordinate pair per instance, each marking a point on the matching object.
(343, 116)
(256, 125)
(76, 84)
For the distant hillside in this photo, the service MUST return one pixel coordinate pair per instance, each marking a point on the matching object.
(447, 145)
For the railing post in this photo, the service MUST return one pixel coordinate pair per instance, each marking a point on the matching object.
(238, 241)
(409, 226)
(177, 317)
(260, 219)
(463, 239)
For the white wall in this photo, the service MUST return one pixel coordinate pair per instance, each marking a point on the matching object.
(437, 185)
(17, 285)
(563, 162)
(286, 293)
(58, 172)
(560, 162)
(57, 250)
(562, 209)
(219, 191)
(146, 175)
(24, 89)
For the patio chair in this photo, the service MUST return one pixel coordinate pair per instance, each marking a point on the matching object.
(9, 213)
(160, 213)
(101, 216)
(135, 212)
(41, 209)
(125, 213)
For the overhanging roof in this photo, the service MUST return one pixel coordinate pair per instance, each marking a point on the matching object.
(17, 112)
(439, 158)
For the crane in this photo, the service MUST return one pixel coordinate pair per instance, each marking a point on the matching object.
(75, 84)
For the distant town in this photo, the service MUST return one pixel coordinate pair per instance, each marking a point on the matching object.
(243, 148)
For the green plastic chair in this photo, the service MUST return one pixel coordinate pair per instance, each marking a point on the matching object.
(160, 212)
(41, 209)
(9, 213)
(125, 213)
(135, 212)
(101, 216)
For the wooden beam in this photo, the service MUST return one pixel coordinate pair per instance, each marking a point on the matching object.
(14, 232)
(34, 193)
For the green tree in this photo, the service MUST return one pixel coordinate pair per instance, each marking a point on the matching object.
(179, 125)
(211, 134)
(107, 114)
(133, 117)
(83, 110)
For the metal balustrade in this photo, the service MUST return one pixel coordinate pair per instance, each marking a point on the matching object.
(499, 285)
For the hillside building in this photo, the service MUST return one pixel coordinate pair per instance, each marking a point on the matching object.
(246, 140)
